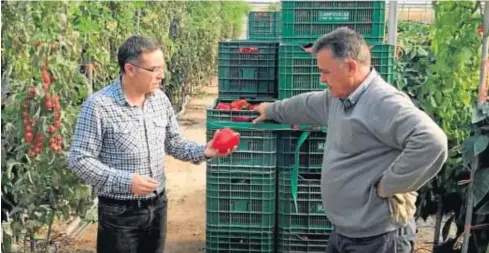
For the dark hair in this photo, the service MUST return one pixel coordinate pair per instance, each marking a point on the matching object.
(344, 43)
(133, 47)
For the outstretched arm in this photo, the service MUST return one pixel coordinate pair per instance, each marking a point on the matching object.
(306, 108)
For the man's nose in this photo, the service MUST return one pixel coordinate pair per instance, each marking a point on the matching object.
(159, 75)
(323, 79)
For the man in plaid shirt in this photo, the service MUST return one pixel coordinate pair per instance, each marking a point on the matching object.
(121, 136)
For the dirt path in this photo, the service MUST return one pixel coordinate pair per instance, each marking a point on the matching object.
(187, 183)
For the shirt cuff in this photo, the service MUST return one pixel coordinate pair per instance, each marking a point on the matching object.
(122, 182)
(201, 155)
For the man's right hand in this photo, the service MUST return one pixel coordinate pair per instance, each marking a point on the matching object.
(143, 185)
(261, 110)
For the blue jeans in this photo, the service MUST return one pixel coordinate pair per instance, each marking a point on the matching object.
(399, 241)
(132, 226)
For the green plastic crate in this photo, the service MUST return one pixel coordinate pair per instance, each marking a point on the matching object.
(218, 115)
(247, 69)
(300, 242)
(257, 148)
(310, 154)
(241, 199)
(299, 72)
(311, 214)
(219, 240)
(264, 25)
(306, 21)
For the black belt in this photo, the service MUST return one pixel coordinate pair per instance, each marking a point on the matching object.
(134, 203)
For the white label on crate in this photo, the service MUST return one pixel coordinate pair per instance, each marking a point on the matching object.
(334, 15)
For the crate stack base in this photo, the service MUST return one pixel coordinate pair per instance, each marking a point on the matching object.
(306, 229)
(241, 188)
(249, 201)
(241, 192)
(239, 240)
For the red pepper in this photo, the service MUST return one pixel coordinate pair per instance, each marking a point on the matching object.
(241, 119)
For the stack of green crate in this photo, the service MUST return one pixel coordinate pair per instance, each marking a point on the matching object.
(264, 25)
(241, 195)
(305, 229)
(241, 188)
(247, 69)
(303, 22)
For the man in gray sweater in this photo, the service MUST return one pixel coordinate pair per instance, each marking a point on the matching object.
(378, 145)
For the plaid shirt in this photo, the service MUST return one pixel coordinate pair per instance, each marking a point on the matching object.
(112, 140)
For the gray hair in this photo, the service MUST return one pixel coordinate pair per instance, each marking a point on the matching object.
(344, 43)
(133, 47)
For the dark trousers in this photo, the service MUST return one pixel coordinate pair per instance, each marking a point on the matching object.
(132, 226)
(399, 241)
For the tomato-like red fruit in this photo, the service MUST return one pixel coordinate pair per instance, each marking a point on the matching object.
(241, 119)
(28, 137)
(223, 106)
(239, 104)
(252, 107)
(45, 76)
(226, 139)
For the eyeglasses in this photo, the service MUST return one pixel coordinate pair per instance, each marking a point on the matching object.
(153, 70)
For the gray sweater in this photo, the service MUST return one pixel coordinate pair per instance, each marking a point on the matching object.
(382, 137)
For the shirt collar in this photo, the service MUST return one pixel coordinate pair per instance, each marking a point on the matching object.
(120, 96)
(119, 93)
(352, 99)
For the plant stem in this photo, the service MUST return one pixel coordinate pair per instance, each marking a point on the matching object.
(50, 229)
(33, 243)
(470, 205)
(439, 217)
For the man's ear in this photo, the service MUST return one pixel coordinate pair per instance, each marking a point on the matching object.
(352, 67)
(129, 69)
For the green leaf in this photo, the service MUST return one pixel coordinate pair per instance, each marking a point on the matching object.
(481, 184)
(468, 150)
(480, 144)
(484, 209)
(432, 102)
(10, 164)
(478, 115)
(16, 227)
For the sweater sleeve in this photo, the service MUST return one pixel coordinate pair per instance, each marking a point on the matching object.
(306, 108)
(399, 124)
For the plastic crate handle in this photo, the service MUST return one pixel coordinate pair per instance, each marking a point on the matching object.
(255, 73)
(249, 50)
(307, 47)
(295, 170)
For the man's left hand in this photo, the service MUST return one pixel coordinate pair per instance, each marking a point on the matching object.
(402, 206)
(380, 191)
(209, 152)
